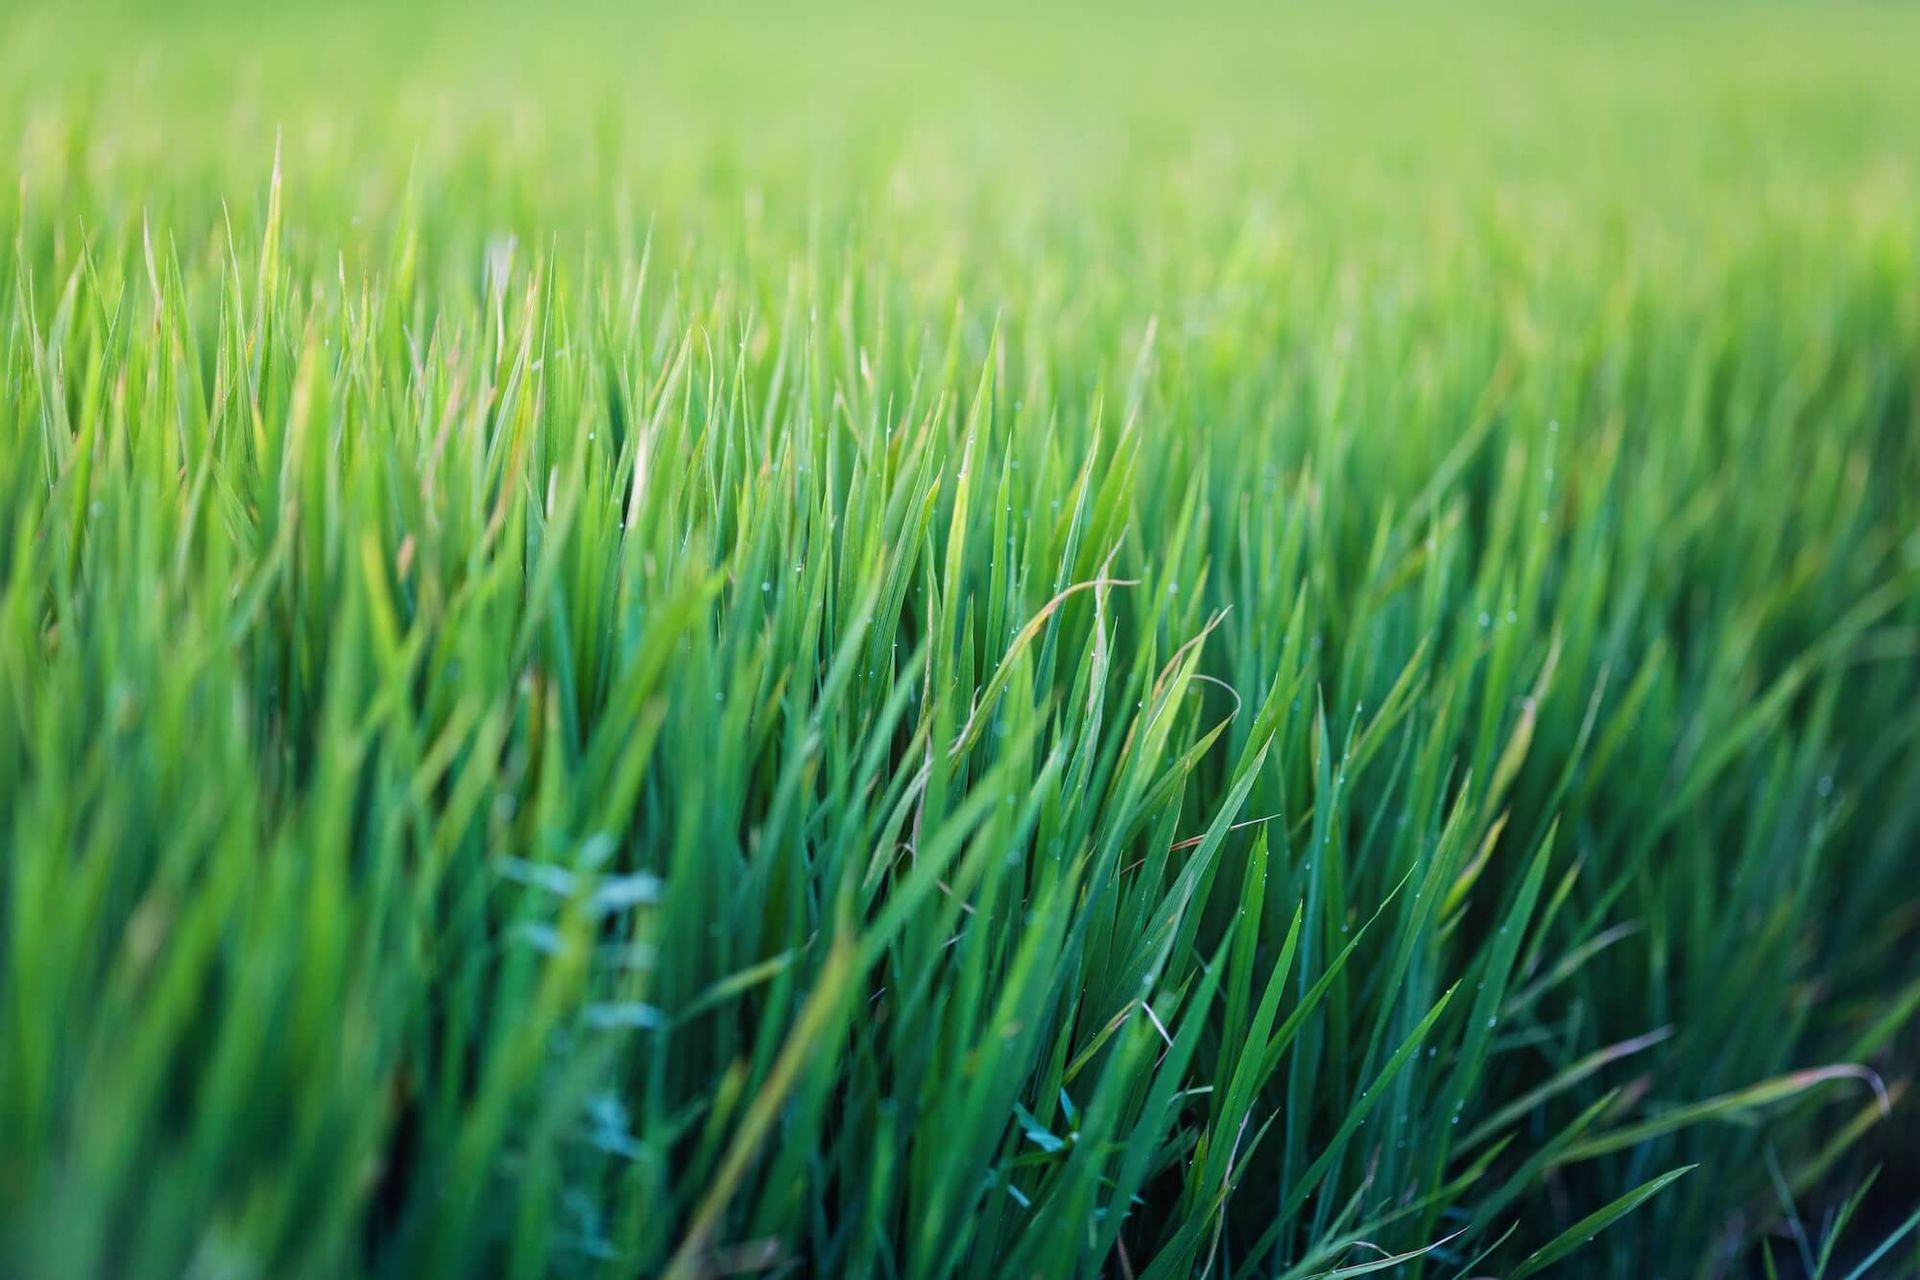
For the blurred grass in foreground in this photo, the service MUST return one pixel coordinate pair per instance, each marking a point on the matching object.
(958, 645)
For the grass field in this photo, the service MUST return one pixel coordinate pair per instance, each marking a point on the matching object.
(948, 645)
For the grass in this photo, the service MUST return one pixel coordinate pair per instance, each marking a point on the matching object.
(915, 646)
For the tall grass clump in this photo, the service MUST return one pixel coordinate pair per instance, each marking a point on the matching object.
(896, 646)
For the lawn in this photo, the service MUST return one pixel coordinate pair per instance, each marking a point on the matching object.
(959, 643)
